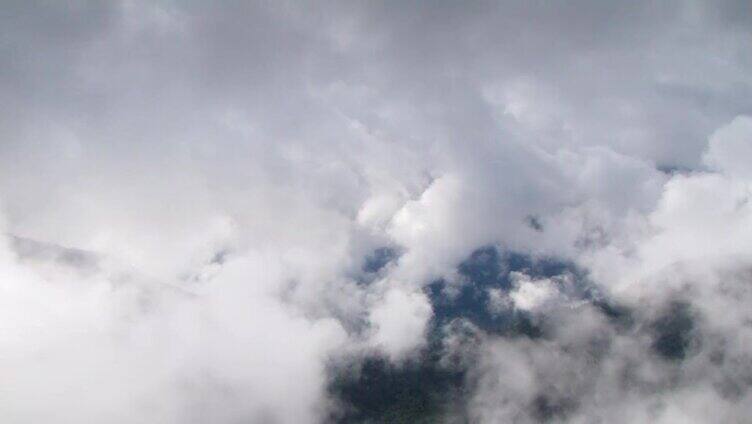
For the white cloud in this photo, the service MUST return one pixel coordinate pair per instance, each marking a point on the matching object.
(694, 250)
(225, 169)
(730, 148)
(532, 295)
(400, 323)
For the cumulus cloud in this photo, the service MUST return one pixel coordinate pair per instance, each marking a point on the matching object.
(209, 210)
(685, 283)
(530, 294)
(400, 322)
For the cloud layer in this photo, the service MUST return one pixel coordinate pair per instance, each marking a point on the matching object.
(209, 211)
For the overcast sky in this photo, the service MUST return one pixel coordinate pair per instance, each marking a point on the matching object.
(189, 189)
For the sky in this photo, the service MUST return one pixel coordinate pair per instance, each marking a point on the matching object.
(210, 209)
